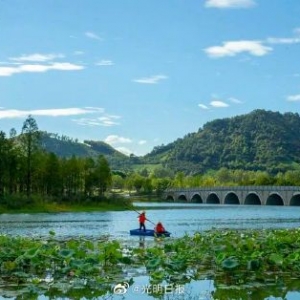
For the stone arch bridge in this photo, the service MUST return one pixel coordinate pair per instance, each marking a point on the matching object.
(251, 195)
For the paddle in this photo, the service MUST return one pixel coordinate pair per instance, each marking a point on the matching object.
(131, 208)
(146, 218)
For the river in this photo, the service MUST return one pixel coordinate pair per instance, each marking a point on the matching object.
(179, 219)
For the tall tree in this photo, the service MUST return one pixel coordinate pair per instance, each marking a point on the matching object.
(30, 138)
(89, 166)
(12, 133)
(53, 175)
(103, 174)
(3, 160)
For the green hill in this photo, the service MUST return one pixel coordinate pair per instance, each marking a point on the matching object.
(66, 147)
(260, 140)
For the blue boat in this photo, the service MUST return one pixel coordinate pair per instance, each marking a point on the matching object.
(149, 232)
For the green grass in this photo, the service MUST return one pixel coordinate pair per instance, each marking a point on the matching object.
(55, 207)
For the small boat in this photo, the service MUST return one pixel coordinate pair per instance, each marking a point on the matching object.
(149, 232)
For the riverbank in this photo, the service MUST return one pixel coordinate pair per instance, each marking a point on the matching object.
(38, 206)
(57, 208)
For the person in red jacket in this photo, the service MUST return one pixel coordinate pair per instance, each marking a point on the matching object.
(159, 228)
(142, 220)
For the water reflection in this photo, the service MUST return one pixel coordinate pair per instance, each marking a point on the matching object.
(142, 242)
(206, 289)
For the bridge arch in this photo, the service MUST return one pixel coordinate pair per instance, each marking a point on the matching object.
(295, 200)
(196, 198)
(213, 199)
(182, 198)
(252, 199)
(170, 198)
(231, 198)
(274, 199)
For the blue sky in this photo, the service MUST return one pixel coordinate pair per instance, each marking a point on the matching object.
(139, 74)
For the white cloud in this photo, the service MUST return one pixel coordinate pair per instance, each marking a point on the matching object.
(8, 71)
(54, 112)
(233, 48)
(273, 40)
(293, 98)
(65, 67)
(33, 68)
(203, 106)
(142, 142)
(106, 121)
(124, 150)
(151, 80)
(217, 103)
(37, 57)
(104, 62)
(235, 100)
(109, 120)
(95, 109)
(229, 3)
(92, 35)
(115, 139)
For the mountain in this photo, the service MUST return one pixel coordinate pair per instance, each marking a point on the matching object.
(64, 146)
(260, 140)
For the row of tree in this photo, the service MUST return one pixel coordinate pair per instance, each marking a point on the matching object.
(25, 168)
(159, 179)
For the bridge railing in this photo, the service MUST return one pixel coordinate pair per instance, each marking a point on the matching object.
(236, 188)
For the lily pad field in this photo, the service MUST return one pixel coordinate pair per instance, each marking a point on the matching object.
(243, 264)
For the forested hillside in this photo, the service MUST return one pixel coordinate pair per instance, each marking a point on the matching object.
(260, 140)
(64, 146)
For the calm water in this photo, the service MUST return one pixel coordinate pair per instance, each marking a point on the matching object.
(179, 219)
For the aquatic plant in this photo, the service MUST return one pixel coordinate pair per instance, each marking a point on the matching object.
(235, 260)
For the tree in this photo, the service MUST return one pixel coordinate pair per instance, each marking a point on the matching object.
(89, 167)
(12, 133)
(103, 174)
(3, 160)
(263, 178)
(72, 172)
(223, 176)
(137, 181)
(117, 182)
(179, 179)
(53, 175)
(160, 185)
(30, 141)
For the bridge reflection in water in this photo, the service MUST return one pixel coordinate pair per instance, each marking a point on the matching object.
(248, 195)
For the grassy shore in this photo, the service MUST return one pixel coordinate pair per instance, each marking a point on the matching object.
(56, 208)
(37, 205)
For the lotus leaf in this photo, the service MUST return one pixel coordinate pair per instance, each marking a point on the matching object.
(230, 263)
